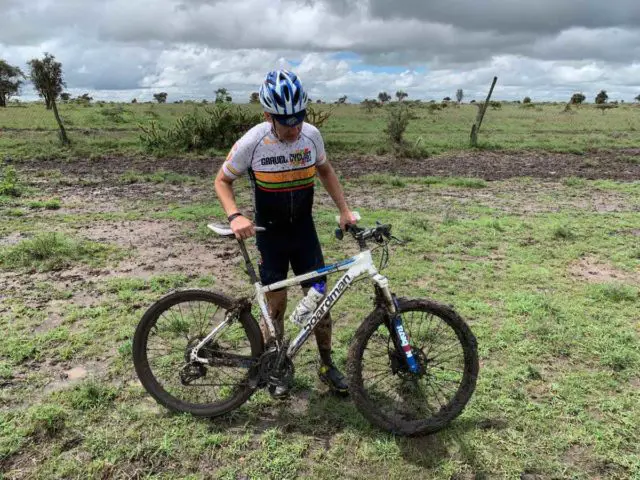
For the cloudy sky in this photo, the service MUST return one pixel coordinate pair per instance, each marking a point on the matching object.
(121, 49)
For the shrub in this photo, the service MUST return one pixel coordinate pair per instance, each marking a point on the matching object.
(368, 105)
(317, 118)
(9, 184)
(219, 127)
(114, 114)
(397, 122)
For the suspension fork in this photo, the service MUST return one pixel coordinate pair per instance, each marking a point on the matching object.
(401, 340)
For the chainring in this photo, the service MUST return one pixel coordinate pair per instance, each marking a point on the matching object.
(267, 372)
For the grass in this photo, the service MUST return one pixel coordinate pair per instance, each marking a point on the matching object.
(557, 394)
(30, 132)
(51, 204)
(51, 251)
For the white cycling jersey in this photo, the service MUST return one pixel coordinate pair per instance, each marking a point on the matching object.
(282, 173)
(277, 166)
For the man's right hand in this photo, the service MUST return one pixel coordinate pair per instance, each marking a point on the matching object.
(242, 227)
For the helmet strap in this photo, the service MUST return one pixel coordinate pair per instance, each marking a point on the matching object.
(273, 129)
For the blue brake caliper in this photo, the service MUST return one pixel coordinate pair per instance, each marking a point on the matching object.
(404, 341)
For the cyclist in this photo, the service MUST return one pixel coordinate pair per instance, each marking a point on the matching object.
(282, 157)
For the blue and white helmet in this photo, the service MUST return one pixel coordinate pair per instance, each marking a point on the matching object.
(281, 93)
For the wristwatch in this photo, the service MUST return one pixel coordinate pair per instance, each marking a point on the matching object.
(233, 215)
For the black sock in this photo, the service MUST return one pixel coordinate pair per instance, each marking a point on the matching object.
(325, 356)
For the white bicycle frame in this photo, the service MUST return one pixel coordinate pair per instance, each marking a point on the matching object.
(355, 267)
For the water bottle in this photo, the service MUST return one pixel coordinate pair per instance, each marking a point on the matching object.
(308, 304)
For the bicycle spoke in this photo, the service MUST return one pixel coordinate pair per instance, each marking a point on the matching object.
(415, 397)
(175, 329)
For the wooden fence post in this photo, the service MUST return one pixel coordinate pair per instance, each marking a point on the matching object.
(476, 126)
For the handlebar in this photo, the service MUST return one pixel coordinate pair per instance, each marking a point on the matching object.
(379, 234)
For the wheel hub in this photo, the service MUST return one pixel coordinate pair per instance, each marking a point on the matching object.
(191, 371)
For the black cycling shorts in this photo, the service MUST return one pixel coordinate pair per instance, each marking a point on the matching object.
(293, 244)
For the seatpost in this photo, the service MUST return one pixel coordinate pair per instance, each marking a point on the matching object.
(247, 261)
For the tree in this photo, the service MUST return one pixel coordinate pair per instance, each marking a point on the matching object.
(637, 99)
(254, 98)
(222, 96)
(160, 97)
(602, 97)
(400, 95)
(341, 100)
(459, 95)
(384, 97)
(84, 99)
(65, 97)
(446, 99)
(10, 82)
(368, 105)
(46, 76)
(577, 98)
(526, 100)
(135, 100)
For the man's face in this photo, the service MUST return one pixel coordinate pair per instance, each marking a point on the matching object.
(284, 132)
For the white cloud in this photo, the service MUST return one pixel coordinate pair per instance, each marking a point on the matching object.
(189, 48)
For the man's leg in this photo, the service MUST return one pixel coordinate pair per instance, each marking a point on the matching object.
(307, 258)
(277, 305)
(322, 333)
(272, 267)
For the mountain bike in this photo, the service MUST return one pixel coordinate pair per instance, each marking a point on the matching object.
(411, 367)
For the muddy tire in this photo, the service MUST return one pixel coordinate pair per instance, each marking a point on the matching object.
(407, 404)
(179, 320)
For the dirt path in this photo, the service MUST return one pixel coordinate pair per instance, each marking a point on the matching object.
(602, 164)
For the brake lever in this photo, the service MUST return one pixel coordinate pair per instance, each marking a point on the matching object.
(398, 241)
(353, 229)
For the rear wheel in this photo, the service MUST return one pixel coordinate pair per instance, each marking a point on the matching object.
(168, 331)
(406, 403)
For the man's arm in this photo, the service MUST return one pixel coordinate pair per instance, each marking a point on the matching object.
(329, 179)
(241, 226)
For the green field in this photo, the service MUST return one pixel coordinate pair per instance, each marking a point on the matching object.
(29, 131)
(545, 269)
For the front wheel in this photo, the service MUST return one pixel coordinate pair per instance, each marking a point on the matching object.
(167, 333)
(405, 403)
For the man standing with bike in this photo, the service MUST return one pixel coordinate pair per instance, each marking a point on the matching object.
(282, 157)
